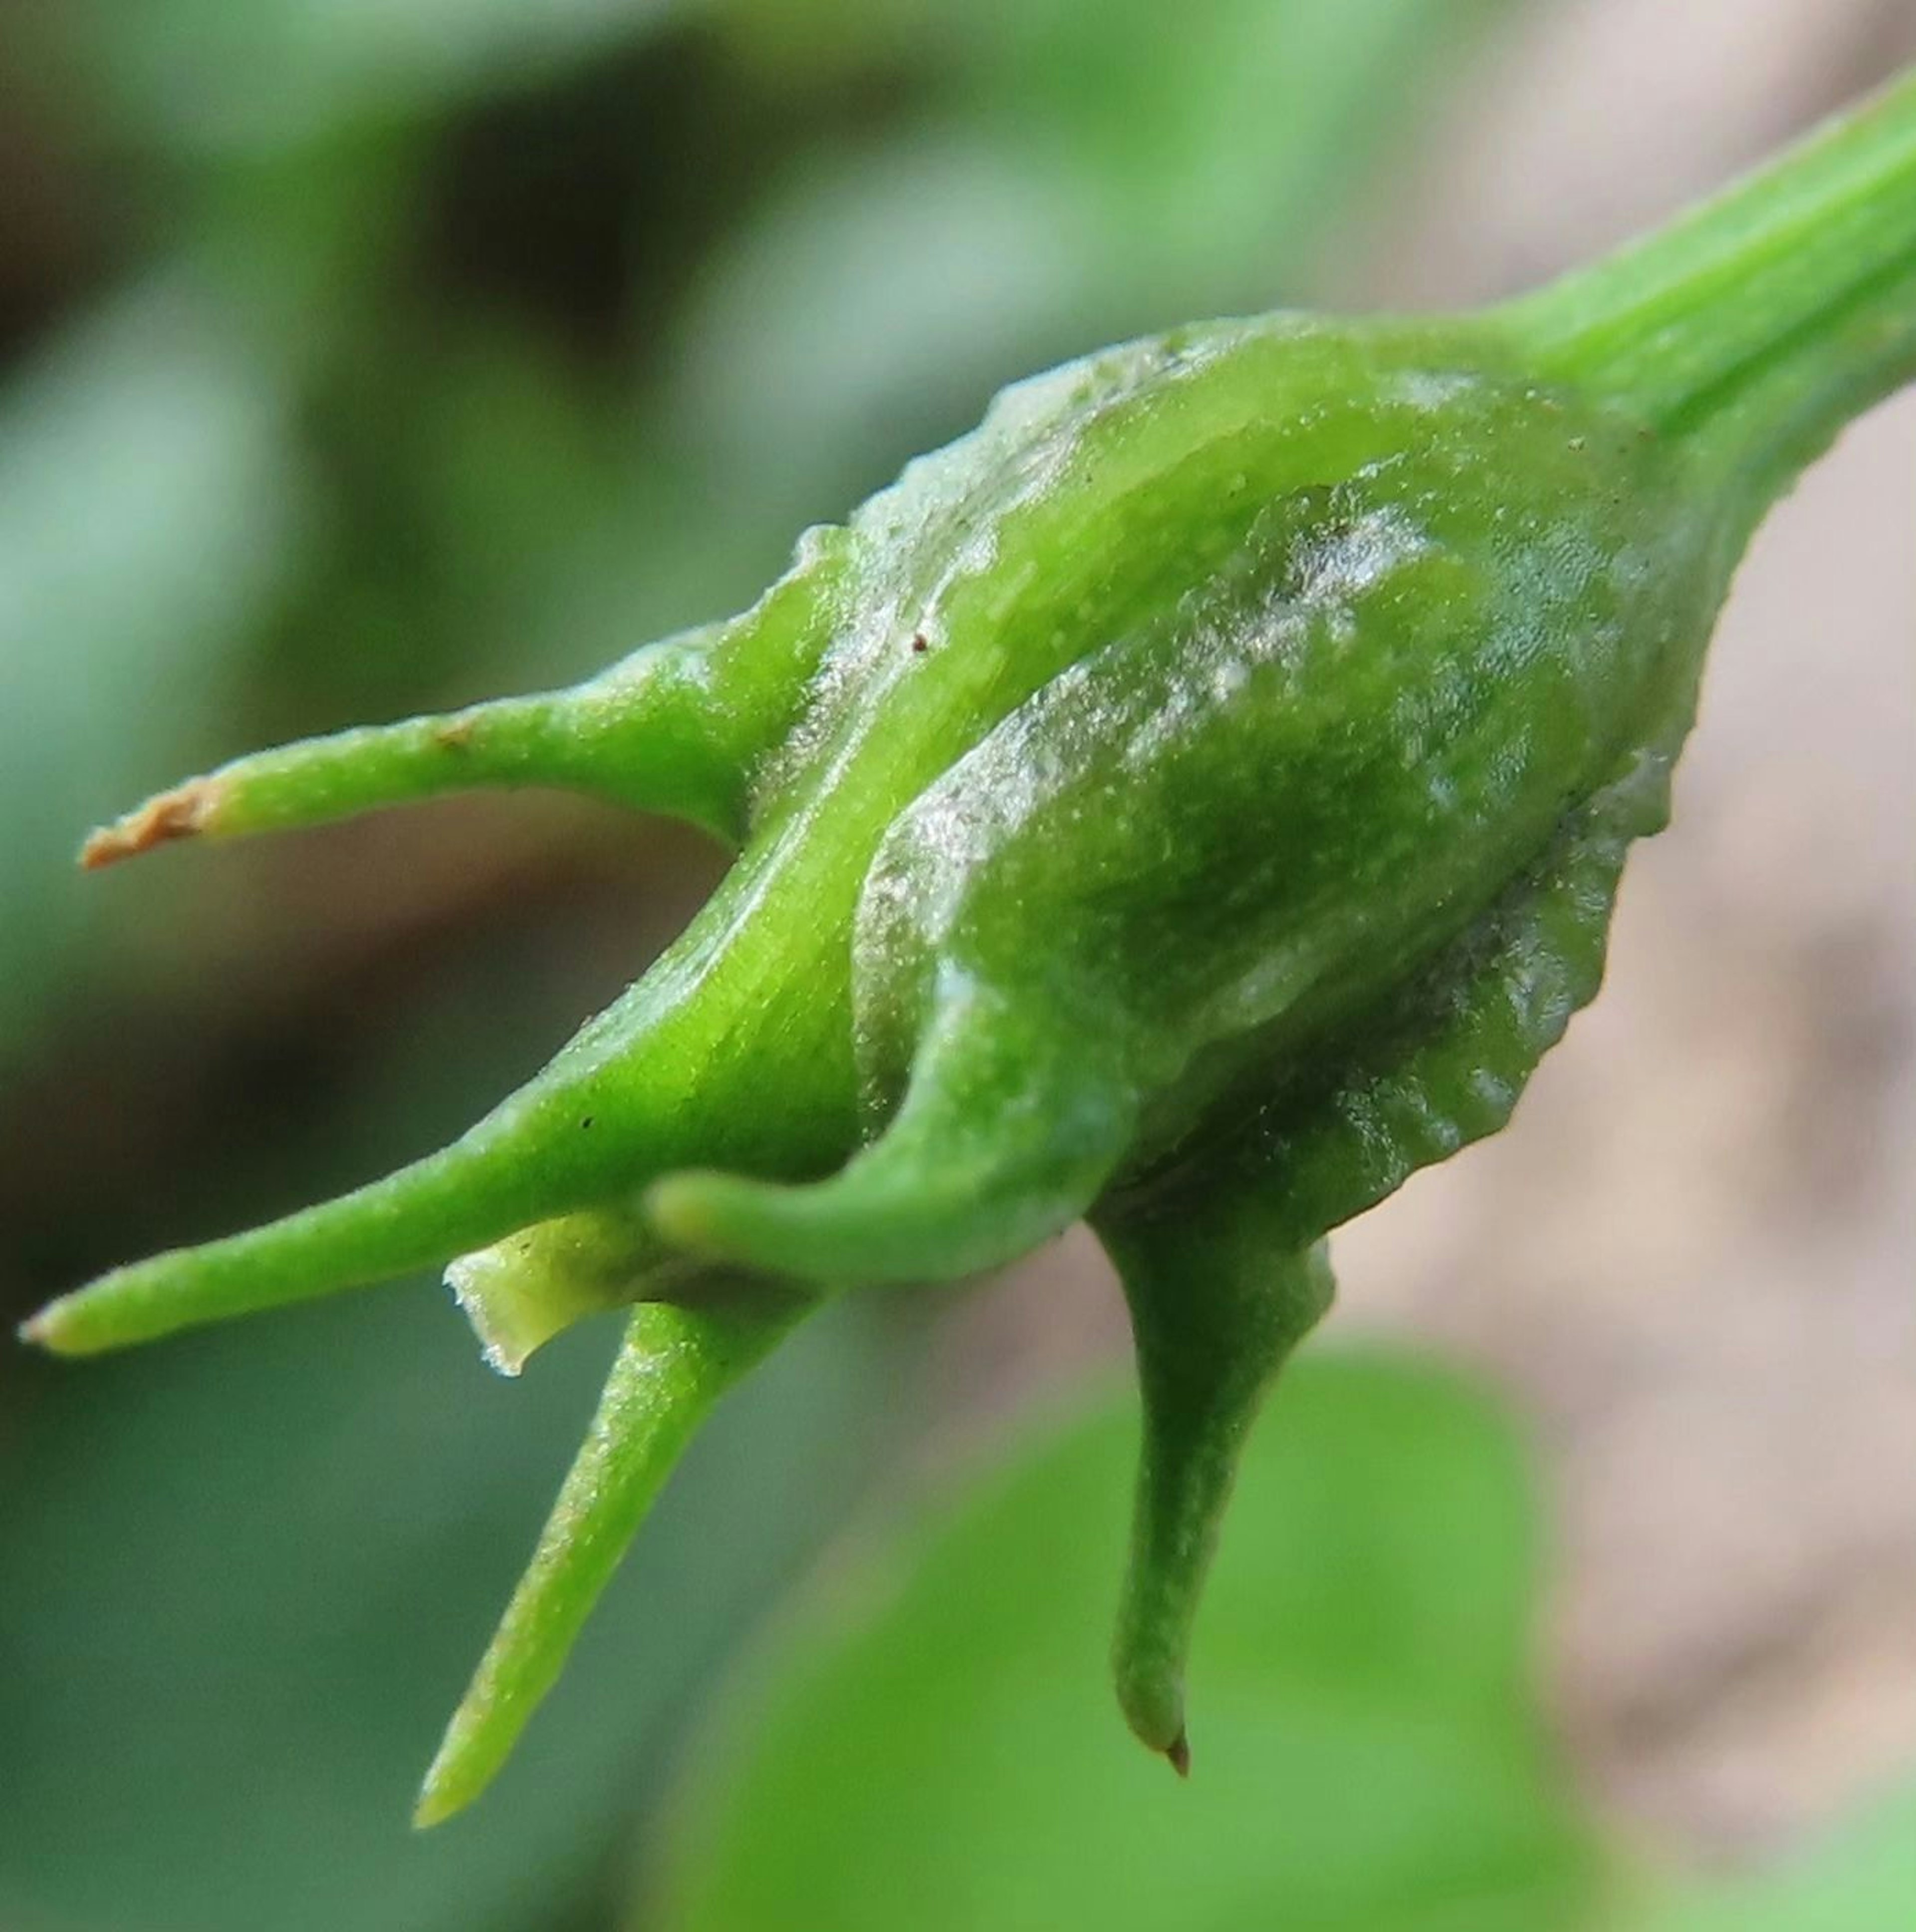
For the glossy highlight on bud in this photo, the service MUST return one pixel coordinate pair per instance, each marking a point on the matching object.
(1191, 803)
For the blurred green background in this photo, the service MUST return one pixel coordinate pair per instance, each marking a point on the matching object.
(361, 357)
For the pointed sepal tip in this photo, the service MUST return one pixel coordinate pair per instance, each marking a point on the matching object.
(184, 812)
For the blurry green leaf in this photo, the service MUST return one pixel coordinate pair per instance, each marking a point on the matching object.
(208, 73)
(242, 1581)
(1862, 1879)
(1219, 142)
(869, 312)
(1100, 167)
(934, 1744)
(151, 506)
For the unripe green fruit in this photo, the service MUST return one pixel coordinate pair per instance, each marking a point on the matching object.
(1191, 803)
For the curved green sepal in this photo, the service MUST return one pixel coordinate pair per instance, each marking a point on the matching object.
(1217, 1308)
(676, 727)
(526, 1163)
(1447, 1065)
(674, 1363)
(559, 739)
(463, 1195)
(1009, 1126)
(1216, 1253)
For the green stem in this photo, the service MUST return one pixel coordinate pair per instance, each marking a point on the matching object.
(1768, 318)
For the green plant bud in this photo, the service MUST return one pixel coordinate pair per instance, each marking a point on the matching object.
(1192, 801)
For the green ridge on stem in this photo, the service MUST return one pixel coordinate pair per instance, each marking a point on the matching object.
(1796, 285)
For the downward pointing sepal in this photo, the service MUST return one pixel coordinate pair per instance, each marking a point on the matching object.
(1216, 1312)
(674, 1364)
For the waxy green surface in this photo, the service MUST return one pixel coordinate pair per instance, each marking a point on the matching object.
(1192, 801)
